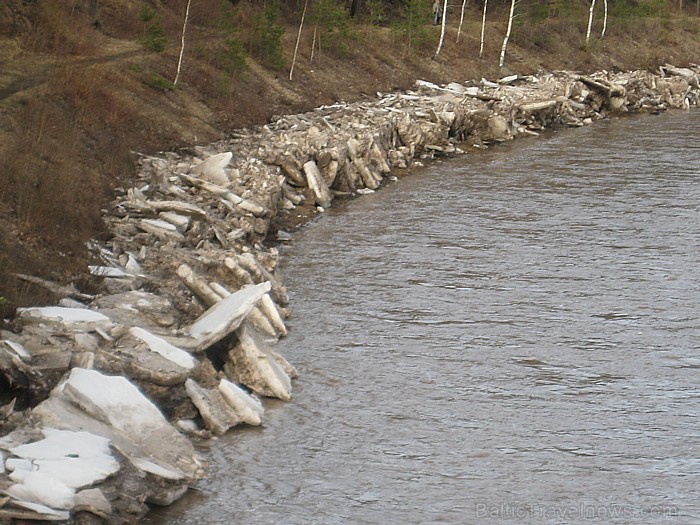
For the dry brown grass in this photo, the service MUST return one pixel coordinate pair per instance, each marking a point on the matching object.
(59, 28)
(65, 150)
(45, 181)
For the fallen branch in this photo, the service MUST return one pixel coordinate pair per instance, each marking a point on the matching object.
(58, 289)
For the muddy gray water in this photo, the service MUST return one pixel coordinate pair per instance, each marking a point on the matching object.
(509, 337)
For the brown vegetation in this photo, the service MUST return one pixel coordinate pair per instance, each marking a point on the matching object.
(85, 87)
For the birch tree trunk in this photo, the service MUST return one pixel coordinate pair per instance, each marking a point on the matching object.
(182, 43)
(461, 19)
(505, 39)
(605, 19)
(590, 21)
(313, 44)
(483, 29)
(296, 47)
(442, 31)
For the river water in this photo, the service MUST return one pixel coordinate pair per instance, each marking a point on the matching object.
(508, 337)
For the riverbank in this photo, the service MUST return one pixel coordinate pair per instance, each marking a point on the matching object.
(81, 90)
(192, 303)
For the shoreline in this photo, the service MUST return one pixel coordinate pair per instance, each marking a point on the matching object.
(192, 302)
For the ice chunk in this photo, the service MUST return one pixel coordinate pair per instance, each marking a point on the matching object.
(77, 459)
(212, 169)
(188, 426)
(44, 489)
(249, 409)
(108, 271)
(226, 315)
(160, 228)
(427, 85)
(15, 464)
(509, 79)
(218, 415)
(454, 87)
(113, 407)
(165, 349)
(93, 501)
(74, 318)
(19, 350)
(252, 364)
(137, 308)
(43, 512)
(146, 465)
(112, 399)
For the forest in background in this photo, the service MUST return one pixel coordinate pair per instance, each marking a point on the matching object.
(86, 86)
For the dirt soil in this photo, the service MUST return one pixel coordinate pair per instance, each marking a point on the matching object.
(80, 100)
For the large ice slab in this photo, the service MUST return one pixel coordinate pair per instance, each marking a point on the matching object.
(164, 348)
(77, 459)
(226, 315)
(137, 308)
(71, 318)
(212, 169)
(253, 365)
(113, 408)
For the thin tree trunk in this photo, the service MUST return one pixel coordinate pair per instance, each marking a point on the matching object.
(355, 9)
(505, 39)
(483, 29)
(313, 44)
(182, 43)
(605, 18)
(590, 21)
(442, 31)
(296, 47)
(461, 20)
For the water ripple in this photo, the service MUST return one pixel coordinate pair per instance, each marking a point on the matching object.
(517, 327)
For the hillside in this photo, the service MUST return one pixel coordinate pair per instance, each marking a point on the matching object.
(86, 87)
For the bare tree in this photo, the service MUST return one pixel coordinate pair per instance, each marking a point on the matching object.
(442, 31)
(508, 31)
(483, 29)
(313, 44)
(590, 21)
(605, 19)
(461, 19)
(182, 42)
(296, 47)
